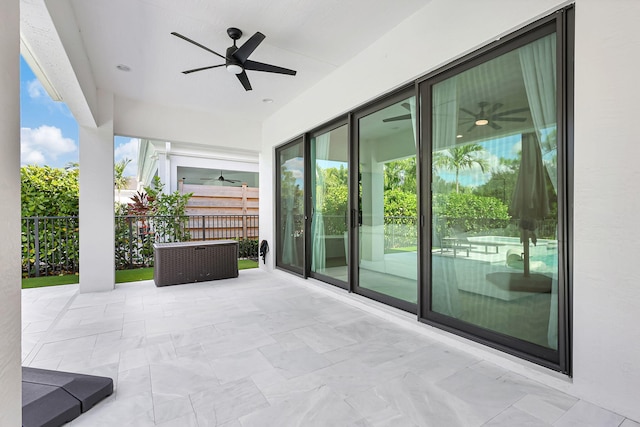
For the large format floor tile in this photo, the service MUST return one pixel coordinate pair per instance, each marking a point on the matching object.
(275, 350)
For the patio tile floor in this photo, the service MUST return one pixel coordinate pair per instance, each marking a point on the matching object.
(274, 350)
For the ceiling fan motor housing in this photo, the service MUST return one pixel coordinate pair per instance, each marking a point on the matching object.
(231, 60)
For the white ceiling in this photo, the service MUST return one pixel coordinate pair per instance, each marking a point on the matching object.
(312, 37)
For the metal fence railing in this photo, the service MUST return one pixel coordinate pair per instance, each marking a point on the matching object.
(135, 235)
(50, 245)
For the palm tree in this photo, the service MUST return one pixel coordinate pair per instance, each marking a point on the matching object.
(71, 166)
(119, 180)
(458, 158)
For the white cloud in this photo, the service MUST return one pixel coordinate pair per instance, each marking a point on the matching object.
(33, 158)
(128, 150)
(43, 144)
(295, 166)
(35, 89)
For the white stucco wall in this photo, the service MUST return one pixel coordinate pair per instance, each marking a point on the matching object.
(10, 309)
(606, 300)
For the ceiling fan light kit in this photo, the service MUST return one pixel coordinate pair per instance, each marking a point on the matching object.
(236, 58)
(491, 115)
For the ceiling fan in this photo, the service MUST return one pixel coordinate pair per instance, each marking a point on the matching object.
(488, 116)
(236, 58)
(402, 117)
(222, 179)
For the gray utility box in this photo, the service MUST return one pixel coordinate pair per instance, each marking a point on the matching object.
(188, 262)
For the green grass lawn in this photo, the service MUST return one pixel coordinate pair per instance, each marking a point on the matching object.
(398, 250)
(122, 276)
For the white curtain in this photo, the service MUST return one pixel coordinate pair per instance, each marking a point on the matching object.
(322, 144)
(445, 293)
(538, 62)
(289, 252)
(412, 109)
(445, 114)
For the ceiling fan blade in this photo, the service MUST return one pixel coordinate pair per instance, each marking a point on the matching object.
(495, 126)
(510, 119)
(244, 80)
(397, 118)
(406, 106)
(468, 112)
(506, 113)
(197, 44)
(202, 68)
(471, 128)
(259, 66)
(495, 107)
(248, 47)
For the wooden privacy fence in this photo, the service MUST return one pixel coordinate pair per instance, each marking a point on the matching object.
(220, 200)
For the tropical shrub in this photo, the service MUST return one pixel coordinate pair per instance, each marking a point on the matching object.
(153, 216)
(468, 213)
(49, 192)
(248, 248)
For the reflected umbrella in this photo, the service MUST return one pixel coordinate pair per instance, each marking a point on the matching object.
(530, 203)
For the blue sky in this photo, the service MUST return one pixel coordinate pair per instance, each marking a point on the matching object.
(48, 131)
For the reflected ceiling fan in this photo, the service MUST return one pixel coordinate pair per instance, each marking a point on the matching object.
(236, 58)
(222, 179)
(402, 117)
(489, 115)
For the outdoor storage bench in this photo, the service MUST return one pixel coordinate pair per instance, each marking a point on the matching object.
(188, 262)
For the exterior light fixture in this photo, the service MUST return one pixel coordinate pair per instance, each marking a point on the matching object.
(482, 122)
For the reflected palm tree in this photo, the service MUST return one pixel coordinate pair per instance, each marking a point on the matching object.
(459, 158)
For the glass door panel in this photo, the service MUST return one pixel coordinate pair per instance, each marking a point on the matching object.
(494, 206)
(387, 219)
(329, 202)
(290, 207)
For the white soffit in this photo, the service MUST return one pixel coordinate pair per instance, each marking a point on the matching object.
(93, 37)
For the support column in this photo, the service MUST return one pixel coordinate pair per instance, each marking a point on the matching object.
(372, 245)
(97, 235)
(169, 186)
(10, 284)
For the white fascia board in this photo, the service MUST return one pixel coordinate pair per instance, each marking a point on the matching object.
(54, 50)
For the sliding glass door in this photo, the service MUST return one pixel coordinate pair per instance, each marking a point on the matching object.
(495, 230)
(290, 216)
(468, 225)
(329, 205)
(387, 203)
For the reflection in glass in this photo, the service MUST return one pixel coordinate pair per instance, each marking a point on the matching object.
(291, 206)
(329, 188)
(387, 230)
(494, 195)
